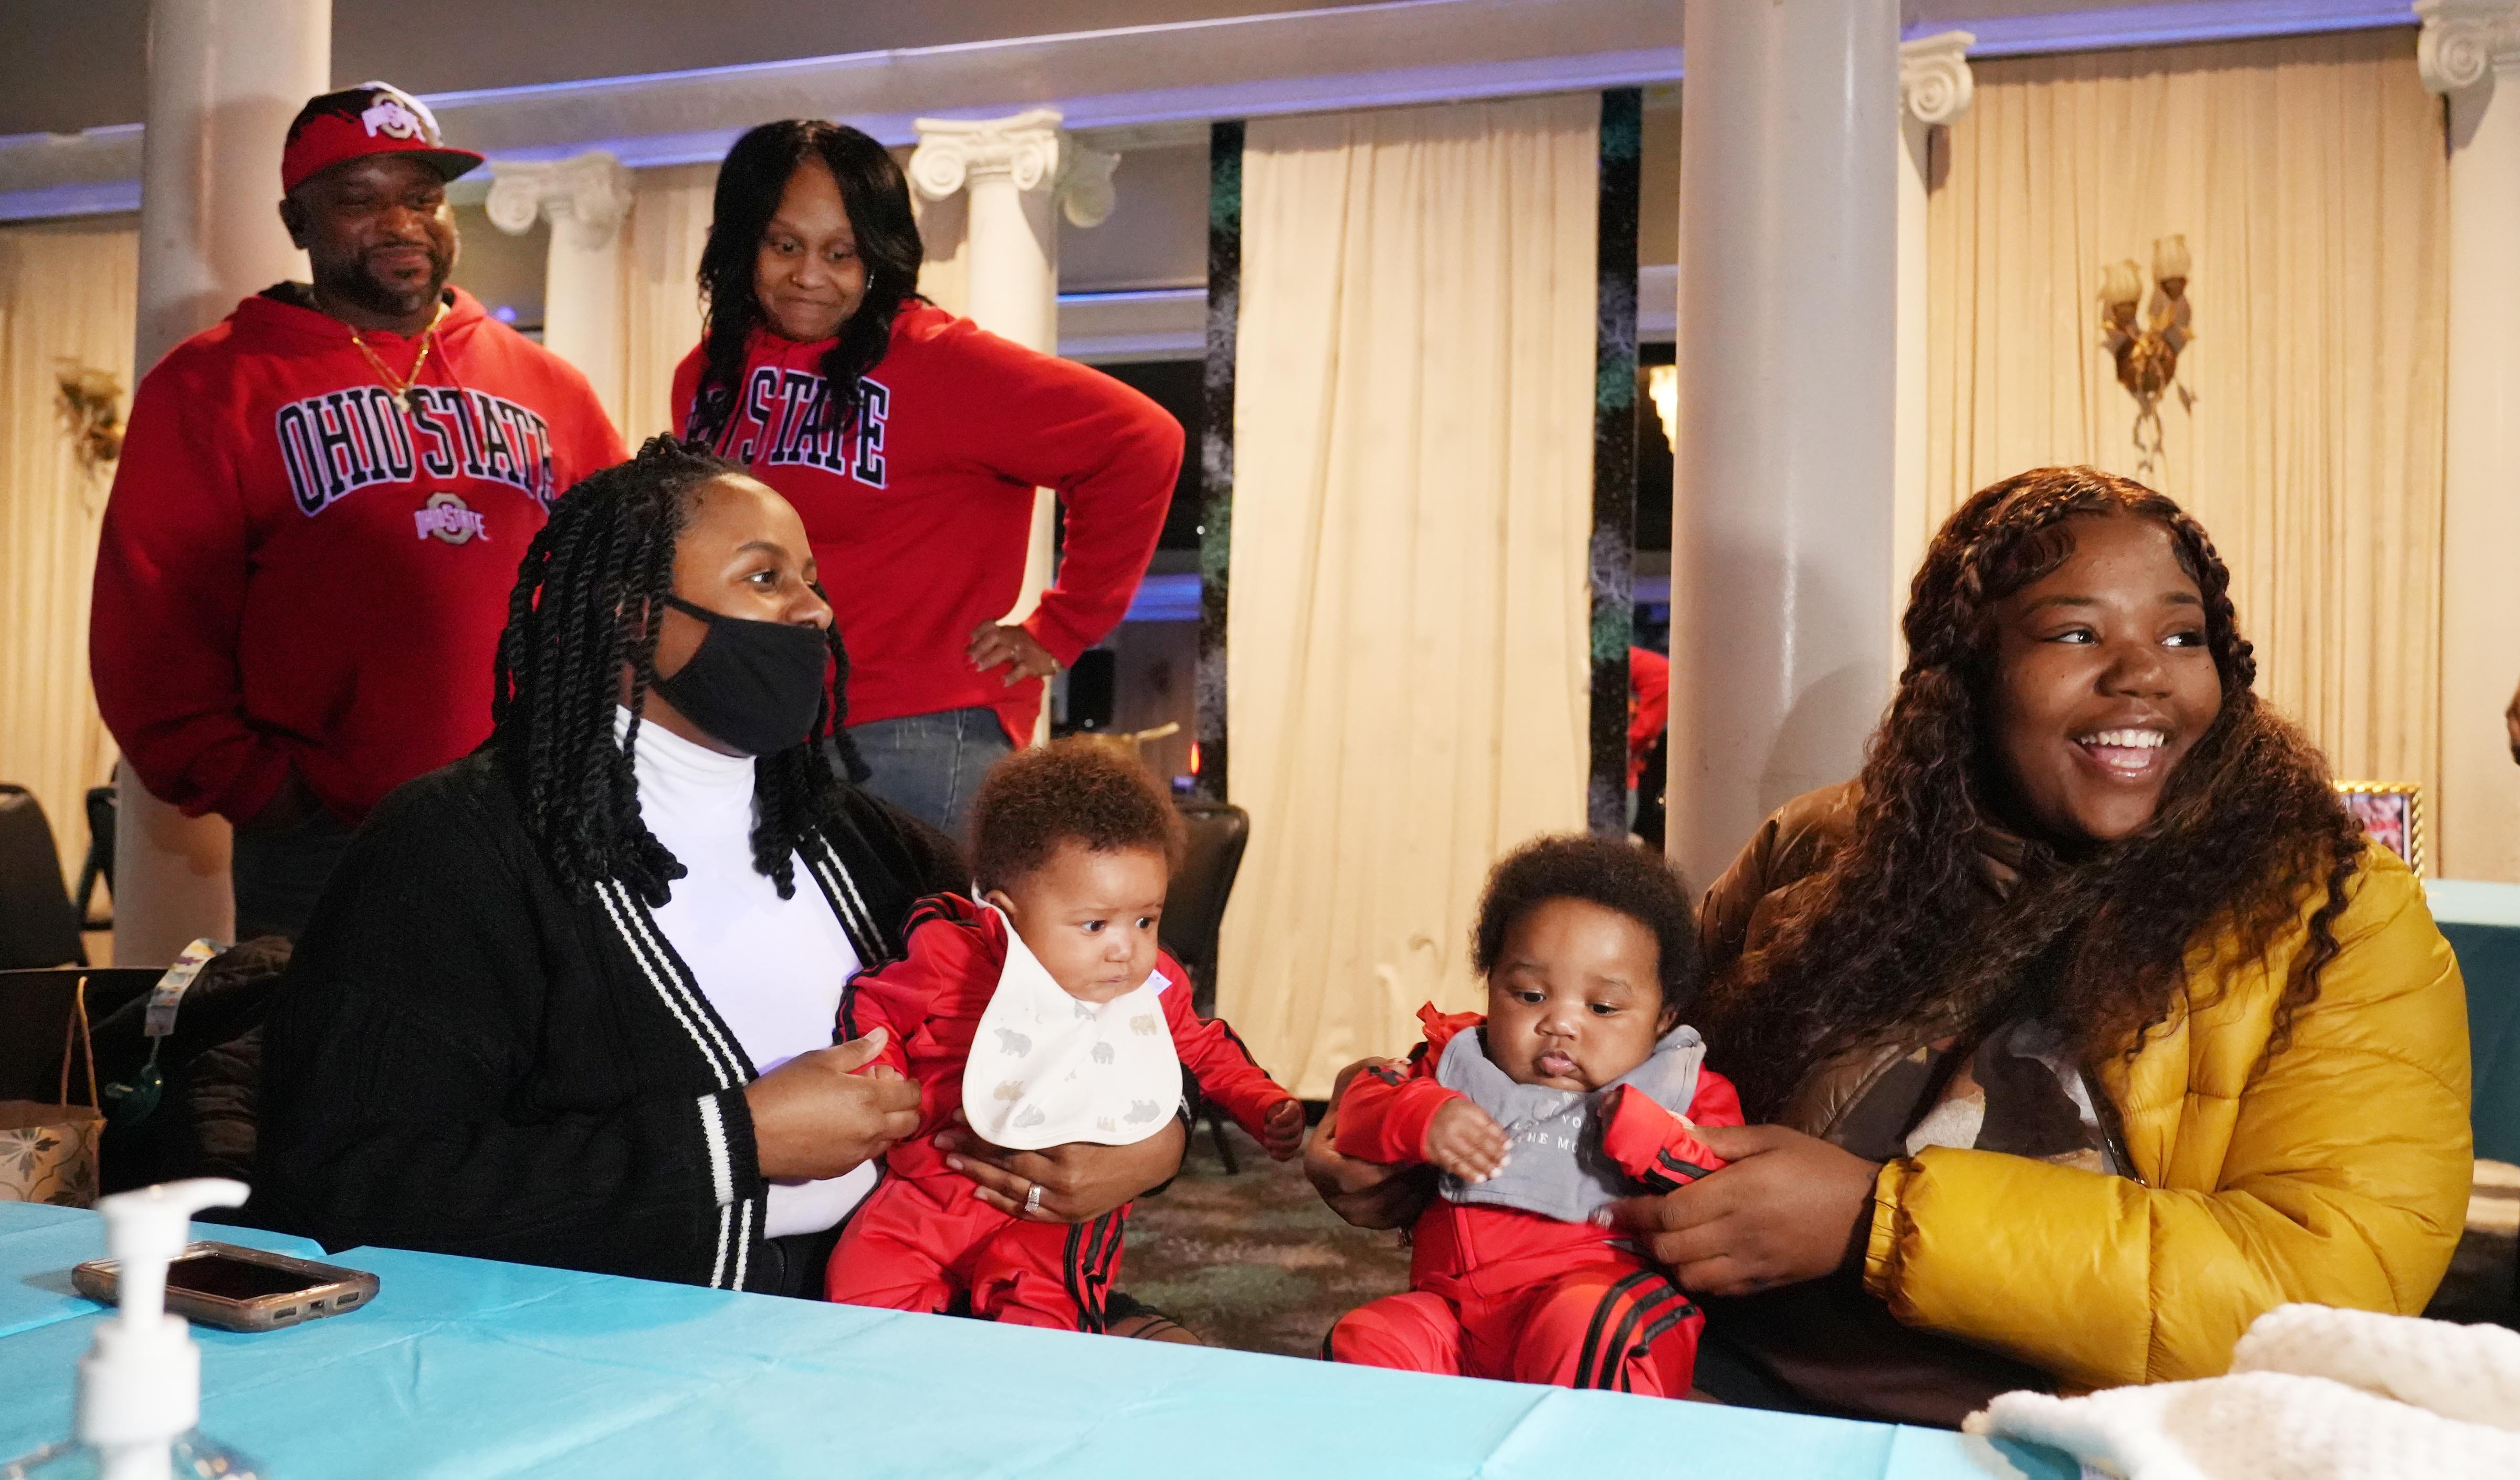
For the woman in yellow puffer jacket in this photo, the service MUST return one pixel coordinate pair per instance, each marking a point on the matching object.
(2086, 1024)
(2090, 1026)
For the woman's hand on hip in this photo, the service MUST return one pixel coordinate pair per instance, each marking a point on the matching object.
(994, 644)
(815, 1116)
(1785, 1208)
(1365, 1193)
(1076, 1183)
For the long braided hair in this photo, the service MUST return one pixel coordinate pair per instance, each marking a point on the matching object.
(588, 605)
(1897, 937)
(749, 185)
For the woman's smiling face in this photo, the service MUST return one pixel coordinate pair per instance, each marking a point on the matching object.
(2102, 681)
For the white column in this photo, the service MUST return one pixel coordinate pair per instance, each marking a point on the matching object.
(586, 198)
(225, 76)
(1934, 90)
(1788, 371)
(2471, 52)
(1018, 173)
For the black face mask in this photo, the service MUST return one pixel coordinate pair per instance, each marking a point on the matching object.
(756, 686)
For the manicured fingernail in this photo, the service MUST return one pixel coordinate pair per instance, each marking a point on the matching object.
(954, 1163)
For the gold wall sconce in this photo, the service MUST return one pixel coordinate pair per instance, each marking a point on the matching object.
(2147, 354)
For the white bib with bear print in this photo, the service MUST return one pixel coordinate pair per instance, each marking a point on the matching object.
(1047, 1068)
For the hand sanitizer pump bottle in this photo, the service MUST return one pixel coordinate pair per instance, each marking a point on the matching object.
(140, 1383)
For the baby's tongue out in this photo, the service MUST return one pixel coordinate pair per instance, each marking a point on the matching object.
(1556, 1065)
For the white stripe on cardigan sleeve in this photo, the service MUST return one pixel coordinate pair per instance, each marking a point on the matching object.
(721, 1167)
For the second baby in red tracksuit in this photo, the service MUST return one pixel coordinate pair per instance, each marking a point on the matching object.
(1046, 1012)
(1578, 1086)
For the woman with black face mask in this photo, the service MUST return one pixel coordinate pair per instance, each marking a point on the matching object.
(570, 1001)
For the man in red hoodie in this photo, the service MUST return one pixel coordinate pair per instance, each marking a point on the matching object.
(319, 512)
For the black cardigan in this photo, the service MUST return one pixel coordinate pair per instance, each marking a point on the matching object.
(464, 1057)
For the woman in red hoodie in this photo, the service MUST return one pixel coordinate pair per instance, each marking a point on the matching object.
(911, 442)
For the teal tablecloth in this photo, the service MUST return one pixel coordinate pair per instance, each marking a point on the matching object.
(462, 1367)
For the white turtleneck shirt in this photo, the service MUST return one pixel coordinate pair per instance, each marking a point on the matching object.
(771, 968)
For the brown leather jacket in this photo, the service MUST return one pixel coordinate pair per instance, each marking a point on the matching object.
(1740, 911)
(1829, 1343)
(1792, 846)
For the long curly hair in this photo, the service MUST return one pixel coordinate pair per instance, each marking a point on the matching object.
(589, 603)
(1899, 937)
(749, 185)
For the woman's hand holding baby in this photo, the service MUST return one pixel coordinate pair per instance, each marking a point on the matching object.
(1787, 1208)
(1078, 1183)
(1466, 1142)
(1364, 1193)
(1282, 1130)
(816, 1116)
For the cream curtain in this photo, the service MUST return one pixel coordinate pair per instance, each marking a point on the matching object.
(660, 310)
(2308, 175)
(69, 300)
(1412, 447)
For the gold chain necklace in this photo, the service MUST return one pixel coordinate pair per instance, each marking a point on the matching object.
(405, 388)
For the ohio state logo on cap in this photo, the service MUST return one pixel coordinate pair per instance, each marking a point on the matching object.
(371, 118)
(392, 117)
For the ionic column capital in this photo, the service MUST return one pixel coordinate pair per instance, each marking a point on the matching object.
(590, 190)
(2466, 42)
(1029, 151)
(1935, 84)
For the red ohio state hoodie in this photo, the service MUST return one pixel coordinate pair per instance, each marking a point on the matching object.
(297, 570)
(922, 514)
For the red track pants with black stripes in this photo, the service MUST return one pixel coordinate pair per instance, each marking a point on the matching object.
(926, 1243)
(1615, 1323)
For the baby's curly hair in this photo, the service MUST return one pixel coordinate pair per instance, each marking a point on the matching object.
(1079, 789)
(1614, 875)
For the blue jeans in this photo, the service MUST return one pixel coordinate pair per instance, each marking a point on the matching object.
(931, 765)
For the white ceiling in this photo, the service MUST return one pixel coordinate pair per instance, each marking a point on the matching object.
(72, 64)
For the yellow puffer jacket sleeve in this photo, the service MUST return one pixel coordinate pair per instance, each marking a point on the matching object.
(2339, 1174)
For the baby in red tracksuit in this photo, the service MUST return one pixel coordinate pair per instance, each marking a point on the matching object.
(1046, 1012)
(1578, 1086)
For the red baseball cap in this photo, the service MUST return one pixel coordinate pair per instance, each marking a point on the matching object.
(371, 118)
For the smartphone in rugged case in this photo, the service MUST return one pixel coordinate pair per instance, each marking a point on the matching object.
(241, 1289)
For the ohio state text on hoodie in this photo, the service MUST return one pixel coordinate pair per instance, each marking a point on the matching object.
(922, 514)
(296, 570)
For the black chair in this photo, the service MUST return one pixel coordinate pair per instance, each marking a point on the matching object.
(1194, 912)
(99, 867)
(39, 926)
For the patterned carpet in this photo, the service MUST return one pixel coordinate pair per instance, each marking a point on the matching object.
(1255, 1261)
